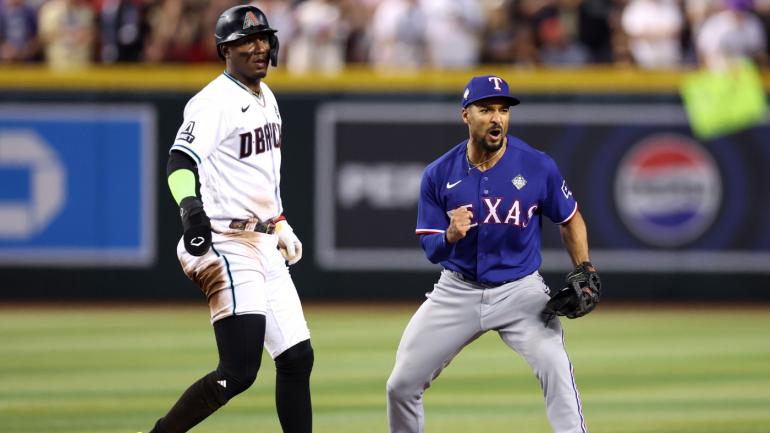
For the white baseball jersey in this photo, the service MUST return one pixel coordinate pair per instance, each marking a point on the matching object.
(235, 140)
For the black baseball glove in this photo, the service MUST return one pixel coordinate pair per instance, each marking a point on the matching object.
(579, 297)
(197, 226)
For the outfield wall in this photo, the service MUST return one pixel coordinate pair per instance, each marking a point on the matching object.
(85, 212)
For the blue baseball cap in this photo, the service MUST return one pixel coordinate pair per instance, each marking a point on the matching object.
(487, 86)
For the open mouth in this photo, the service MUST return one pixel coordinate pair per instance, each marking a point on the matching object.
(495, 134)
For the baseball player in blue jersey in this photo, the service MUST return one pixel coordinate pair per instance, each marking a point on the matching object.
(480, 216)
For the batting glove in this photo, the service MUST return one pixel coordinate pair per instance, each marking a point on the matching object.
(291, 247)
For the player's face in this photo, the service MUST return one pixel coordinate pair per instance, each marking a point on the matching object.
(488, 122)
(249, 55)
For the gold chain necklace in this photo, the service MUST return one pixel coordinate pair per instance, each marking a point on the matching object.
(467, 158)
(257, 95)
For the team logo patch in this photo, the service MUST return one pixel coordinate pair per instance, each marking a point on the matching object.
(467, 92)
(519, 182)
(187, 133)
(497, 82)
(668, 190)
(565, 190)
(250, 21)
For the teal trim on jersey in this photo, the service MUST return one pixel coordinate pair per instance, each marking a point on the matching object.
(232, 79)
(257, 95)
(235, 81)
(189, 150)
(230, 275)
(232, 285)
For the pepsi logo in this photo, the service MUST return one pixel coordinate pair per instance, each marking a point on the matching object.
(668, 190)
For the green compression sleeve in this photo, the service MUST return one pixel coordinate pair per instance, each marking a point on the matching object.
(182, 184)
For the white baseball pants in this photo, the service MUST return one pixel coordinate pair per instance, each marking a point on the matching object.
(244, 273)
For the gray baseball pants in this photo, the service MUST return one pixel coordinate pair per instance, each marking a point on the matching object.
(458, 312)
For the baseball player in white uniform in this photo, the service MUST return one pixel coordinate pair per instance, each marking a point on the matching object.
(224, 172)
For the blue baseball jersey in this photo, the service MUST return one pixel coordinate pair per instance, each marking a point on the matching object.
(506, 203)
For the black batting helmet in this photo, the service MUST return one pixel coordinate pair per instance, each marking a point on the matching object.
(241, 21)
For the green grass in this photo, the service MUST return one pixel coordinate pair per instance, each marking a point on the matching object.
(89, 369)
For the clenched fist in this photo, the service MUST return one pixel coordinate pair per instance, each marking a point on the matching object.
(459, 224)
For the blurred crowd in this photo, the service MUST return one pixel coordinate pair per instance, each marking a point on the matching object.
(325, 35)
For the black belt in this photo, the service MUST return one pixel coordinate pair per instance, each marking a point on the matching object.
(462, 277)
(245, 225)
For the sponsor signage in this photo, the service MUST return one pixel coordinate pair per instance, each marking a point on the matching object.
(77, 185)
(653, 197)
(668, 190)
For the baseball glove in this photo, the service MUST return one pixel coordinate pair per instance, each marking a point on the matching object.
(579, 297)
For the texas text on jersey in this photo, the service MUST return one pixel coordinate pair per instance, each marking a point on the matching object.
(506, 202)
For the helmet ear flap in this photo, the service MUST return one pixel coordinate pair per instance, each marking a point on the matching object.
(273, 50)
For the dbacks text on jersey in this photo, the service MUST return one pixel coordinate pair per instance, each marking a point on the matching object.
(262, 140)
(241, 135)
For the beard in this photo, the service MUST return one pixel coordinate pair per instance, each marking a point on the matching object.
(486, 145)
(489, 147)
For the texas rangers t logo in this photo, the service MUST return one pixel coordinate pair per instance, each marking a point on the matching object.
(496, 81)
